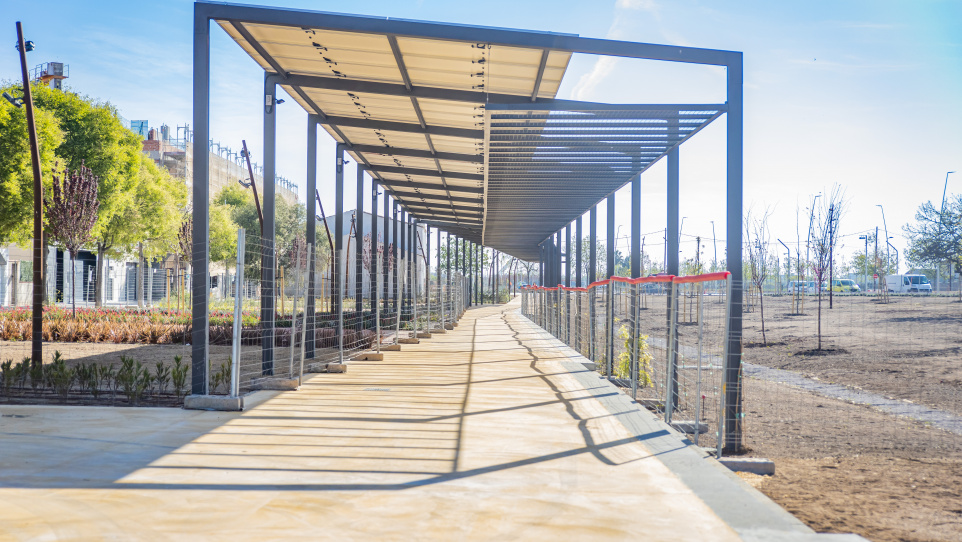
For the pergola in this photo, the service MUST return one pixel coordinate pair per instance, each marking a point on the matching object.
(461, 126)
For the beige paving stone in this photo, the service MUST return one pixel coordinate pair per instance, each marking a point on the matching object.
(478, 433)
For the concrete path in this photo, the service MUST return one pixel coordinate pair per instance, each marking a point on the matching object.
(488, 432)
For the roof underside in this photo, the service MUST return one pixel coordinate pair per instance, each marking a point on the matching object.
(467, 135)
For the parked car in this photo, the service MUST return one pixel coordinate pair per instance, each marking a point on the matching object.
(913, 284)
(802, 286)
(845, 285)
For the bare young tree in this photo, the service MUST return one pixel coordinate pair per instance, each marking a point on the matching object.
(759, 255)
(824, 239)
(72, 212)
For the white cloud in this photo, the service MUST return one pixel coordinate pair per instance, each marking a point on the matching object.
(589, 82)
(642, 5)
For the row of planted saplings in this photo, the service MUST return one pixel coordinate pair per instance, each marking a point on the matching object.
(132, 379)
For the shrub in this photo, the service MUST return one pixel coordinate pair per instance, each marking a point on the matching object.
(178, 375)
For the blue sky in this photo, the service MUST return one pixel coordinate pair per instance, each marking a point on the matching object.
(865, 94)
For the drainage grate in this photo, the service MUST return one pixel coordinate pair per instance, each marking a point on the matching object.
(377, 389)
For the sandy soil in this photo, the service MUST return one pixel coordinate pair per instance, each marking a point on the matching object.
(909, 348)
(848, 468)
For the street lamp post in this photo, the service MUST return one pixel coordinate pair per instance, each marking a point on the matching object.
(941, 214)
(715, 244)
(865, 261)
(887, 244)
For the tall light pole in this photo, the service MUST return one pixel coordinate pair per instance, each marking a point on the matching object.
(939, 265)
(887, 244)
(680, 227)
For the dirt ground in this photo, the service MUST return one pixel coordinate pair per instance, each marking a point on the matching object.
(842, 467)
(909, 348)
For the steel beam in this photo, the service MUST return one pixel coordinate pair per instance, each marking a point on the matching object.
(418, 153)
(464, 33)
(427, 172)
(354, 122)
(429, 186)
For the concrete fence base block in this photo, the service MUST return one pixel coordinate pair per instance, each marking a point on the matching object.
(424, 335)
(689, 427)
(336, 368)
(369, 356)
(391, 348)
(754, 465)
(438, 330)
(214, 402)
(279, 384)
(408, 341)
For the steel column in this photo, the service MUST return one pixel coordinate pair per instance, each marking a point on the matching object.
(568, 255)
(673, 240)
(359, 244)
(610, 243)
(340, 267)
(200, 250)
(395, 253)
(374, 267)
(733, 242)
(268, 259)
(578, 237)
(311, 233)
(636, 227)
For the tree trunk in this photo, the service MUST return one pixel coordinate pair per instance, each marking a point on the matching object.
(140, 277)
(73, 284)
(761, 310)
(99, 283)
(819, 316)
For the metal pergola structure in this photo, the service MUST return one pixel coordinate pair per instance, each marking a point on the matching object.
(460, 125)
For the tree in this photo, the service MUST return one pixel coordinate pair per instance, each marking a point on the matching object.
(72, 212)
(16, 176)
(936, 234)
(138, 202)
(824, 238)
(758, 246)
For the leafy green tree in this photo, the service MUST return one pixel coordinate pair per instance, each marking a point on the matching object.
(16, 173)
(936, 234)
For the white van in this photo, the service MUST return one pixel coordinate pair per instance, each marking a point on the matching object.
(904, 284)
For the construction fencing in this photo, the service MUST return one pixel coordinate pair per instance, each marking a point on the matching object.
(664, 339)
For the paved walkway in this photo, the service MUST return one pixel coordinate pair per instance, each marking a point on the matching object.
(488, 432)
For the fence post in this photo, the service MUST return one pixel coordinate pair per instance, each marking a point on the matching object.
(670, 385)
(238, 314)
(310, 254)
(341, 279)
(610, 330)
(701, 334)
(635, 331)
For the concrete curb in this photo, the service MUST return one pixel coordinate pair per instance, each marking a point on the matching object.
(220, 403)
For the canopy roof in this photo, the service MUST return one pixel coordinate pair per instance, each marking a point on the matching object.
(461, 123)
